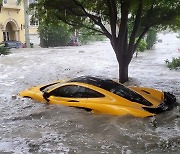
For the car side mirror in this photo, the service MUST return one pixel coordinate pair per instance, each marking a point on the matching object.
(46, 95)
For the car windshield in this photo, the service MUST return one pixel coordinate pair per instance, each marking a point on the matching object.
(50, 86)
(115, 88)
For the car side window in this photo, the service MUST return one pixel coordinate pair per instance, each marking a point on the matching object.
(93, 94)
(75, 91)
(69, 91)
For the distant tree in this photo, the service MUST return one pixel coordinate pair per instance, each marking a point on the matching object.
(52, 34)
(126, 19)
(151, 39)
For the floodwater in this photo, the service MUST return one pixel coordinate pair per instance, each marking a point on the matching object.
(30, 127)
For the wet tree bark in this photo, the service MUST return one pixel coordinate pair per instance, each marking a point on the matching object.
(123, 73)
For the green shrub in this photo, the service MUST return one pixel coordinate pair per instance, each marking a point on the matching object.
(4, 51)
(142, 46)
(151, 39)
(174, 64)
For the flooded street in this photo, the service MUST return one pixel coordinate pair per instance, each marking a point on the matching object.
(27, 126)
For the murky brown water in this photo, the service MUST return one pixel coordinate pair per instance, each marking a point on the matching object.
(30, 127)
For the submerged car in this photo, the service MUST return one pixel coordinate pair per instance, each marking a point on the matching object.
(103, 96)
(74, 42)
(12, 44)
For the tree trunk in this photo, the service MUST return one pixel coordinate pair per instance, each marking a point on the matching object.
(122, 58)
(123, 61)
(123, 72)
(27, 39)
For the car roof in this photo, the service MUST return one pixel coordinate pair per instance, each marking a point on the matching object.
(106, 84)
(114, 87)
(103, 83)
(11, 41)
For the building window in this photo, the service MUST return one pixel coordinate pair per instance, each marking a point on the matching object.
(34, 22)
(6, 36)
(33, 1)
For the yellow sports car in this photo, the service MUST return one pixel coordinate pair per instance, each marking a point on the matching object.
(103, 96)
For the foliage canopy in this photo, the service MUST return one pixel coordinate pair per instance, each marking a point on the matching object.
(124, 22)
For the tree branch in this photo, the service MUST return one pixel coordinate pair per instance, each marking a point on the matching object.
(125, 4)
(95, 19)
(73, 23)
(135, 27)
(111, 4)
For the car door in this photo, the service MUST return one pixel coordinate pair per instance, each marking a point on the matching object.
(100, 102)
(70, 95)
(95, 99)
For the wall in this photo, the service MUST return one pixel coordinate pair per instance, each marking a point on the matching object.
(12, 20)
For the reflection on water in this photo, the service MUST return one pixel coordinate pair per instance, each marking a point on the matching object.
(30, 127)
